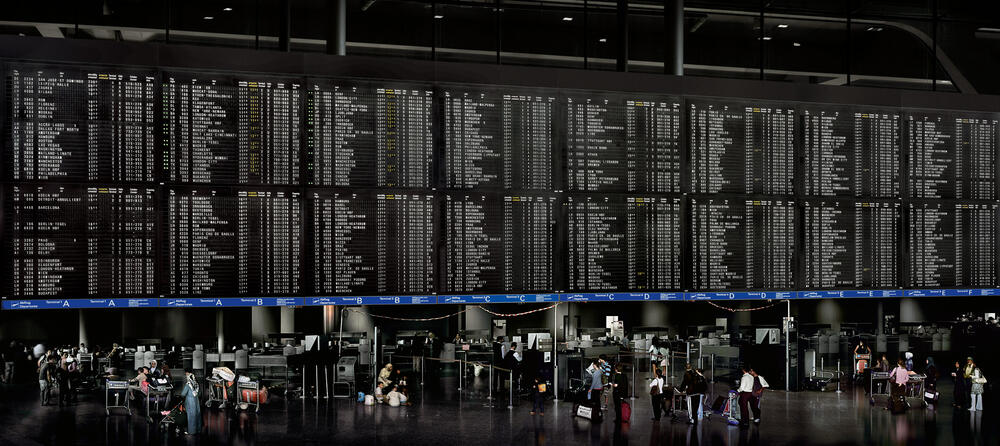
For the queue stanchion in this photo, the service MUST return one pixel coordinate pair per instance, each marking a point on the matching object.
(303, 382)
(510, 387)
(838, 376)
(326, 380)
(422, 367)
(633, 378)
(316, 370)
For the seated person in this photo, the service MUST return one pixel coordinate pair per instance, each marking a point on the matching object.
(378, 393)
(385, 376)
(394, 397)
(399, 379)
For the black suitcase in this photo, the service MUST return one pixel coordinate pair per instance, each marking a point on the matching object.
(898, 404)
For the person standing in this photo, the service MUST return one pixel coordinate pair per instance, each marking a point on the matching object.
(605, 379)
(976, 389)
(751, 388)
(898, 379)
(596, 384)
(960, 391)
(931, 371)
(46, 370)
(656, 394)
(538, 396)
(619, 391)
(62, 379)
(192, 402)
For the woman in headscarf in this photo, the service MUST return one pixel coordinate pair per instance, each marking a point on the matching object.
(192, 402)
(932, 374)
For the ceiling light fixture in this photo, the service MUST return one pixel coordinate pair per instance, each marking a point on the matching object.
(783, 25)
(227, 9)
(208, 17)
(767, 37)
(438, 16)
(567, 19)
(602, 40)
(796, 44)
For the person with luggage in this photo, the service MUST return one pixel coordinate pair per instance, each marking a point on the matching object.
(192, 402)
(696, 389)
(656, 394)
(596, 384)
(898, 379)
(538, 396)
(619, 391)
(605, 379)
(978, 382)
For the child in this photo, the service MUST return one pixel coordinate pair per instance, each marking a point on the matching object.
(378, 393)
(394, 397)
(538, 392)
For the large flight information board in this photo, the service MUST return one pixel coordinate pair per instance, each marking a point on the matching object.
(171, 186)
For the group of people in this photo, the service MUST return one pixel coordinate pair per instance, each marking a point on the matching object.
(58, 370)
(391, 388)
(969, 385)
(694, 386)
(607, 382)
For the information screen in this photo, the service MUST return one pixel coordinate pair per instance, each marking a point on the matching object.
(741, 148)
(952, 244)
(851, 152)
(228, 130)
(624, 242)
(741, 244)
(373, 242)
(77, 125)
(623, 143)
(500, 243)
(952, 156)
(145, 185)
(851, 244)
(370, 135)
(226, 241)
(499, 139)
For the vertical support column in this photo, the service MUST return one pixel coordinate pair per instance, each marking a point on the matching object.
(329, 319)
(673, 28)
(220, 332)
(82, 327)
(287, 320)
(285, 26)
(622, 62)
(336, 37)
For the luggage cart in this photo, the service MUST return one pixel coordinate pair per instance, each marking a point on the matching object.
(730, 410)
(120, 389)
(216, 393)
(253, 389)
(878, 377)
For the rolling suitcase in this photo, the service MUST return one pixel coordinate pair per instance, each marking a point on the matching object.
(897, 404)
(626, 412)
(931, 397)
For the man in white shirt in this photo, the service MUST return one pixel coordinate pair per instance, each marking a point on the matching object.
(751, 388)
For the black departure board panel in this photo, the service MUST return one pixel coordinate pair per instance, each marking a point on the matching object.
(952, 155)
(740, 244)
(234, 242)
(502, 243)
(78, 125)
(367, 243)
(231, 130)
(370, 135)
(499, 139)
(79, 242)
(623, 143)
(952, 244)
(851, 152)
(741, 148)
(624, 242)
(851, 244)
(148, 183)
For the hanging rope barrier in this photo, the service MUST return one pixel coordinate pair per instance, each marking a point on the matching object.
(738, 310)
(438, 318)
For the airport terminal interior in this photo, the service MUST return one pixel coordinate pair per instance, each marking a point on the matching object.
(457, 222)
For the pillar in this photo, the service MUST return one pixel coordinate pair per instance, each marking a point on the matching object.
(287, 320)
(82, 324)
(336, 37)
(285, 25)
(673, 47)
(329, 319)
(622, 62)
(263, 321)
(220, 332)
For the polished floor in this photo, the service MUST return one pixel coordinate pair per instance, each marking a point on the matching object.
(448, 417)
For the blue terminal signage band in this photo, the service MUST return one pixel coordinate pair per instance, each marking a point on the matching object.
(66, 304)
(146, 187)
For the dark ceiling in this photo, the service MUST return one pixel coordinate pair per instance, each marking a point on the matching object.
(888, 44)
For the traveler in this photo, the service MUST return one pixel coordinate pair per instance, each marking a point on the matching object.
(695, 386)
(393, 397)
(978, 381)
(596, 384)
(656, 394)
(385, 376)
(62, 379)
(931, 371)
(192, 402)
(46, 372)
(511, 361)
(602, 361)
(961, 392)
(898, 379)
(538, 396)
(619, 391)
(751, 389)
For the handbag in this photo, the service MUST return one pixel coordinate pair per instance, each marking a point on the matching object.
(980, 380)
(654, 390)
